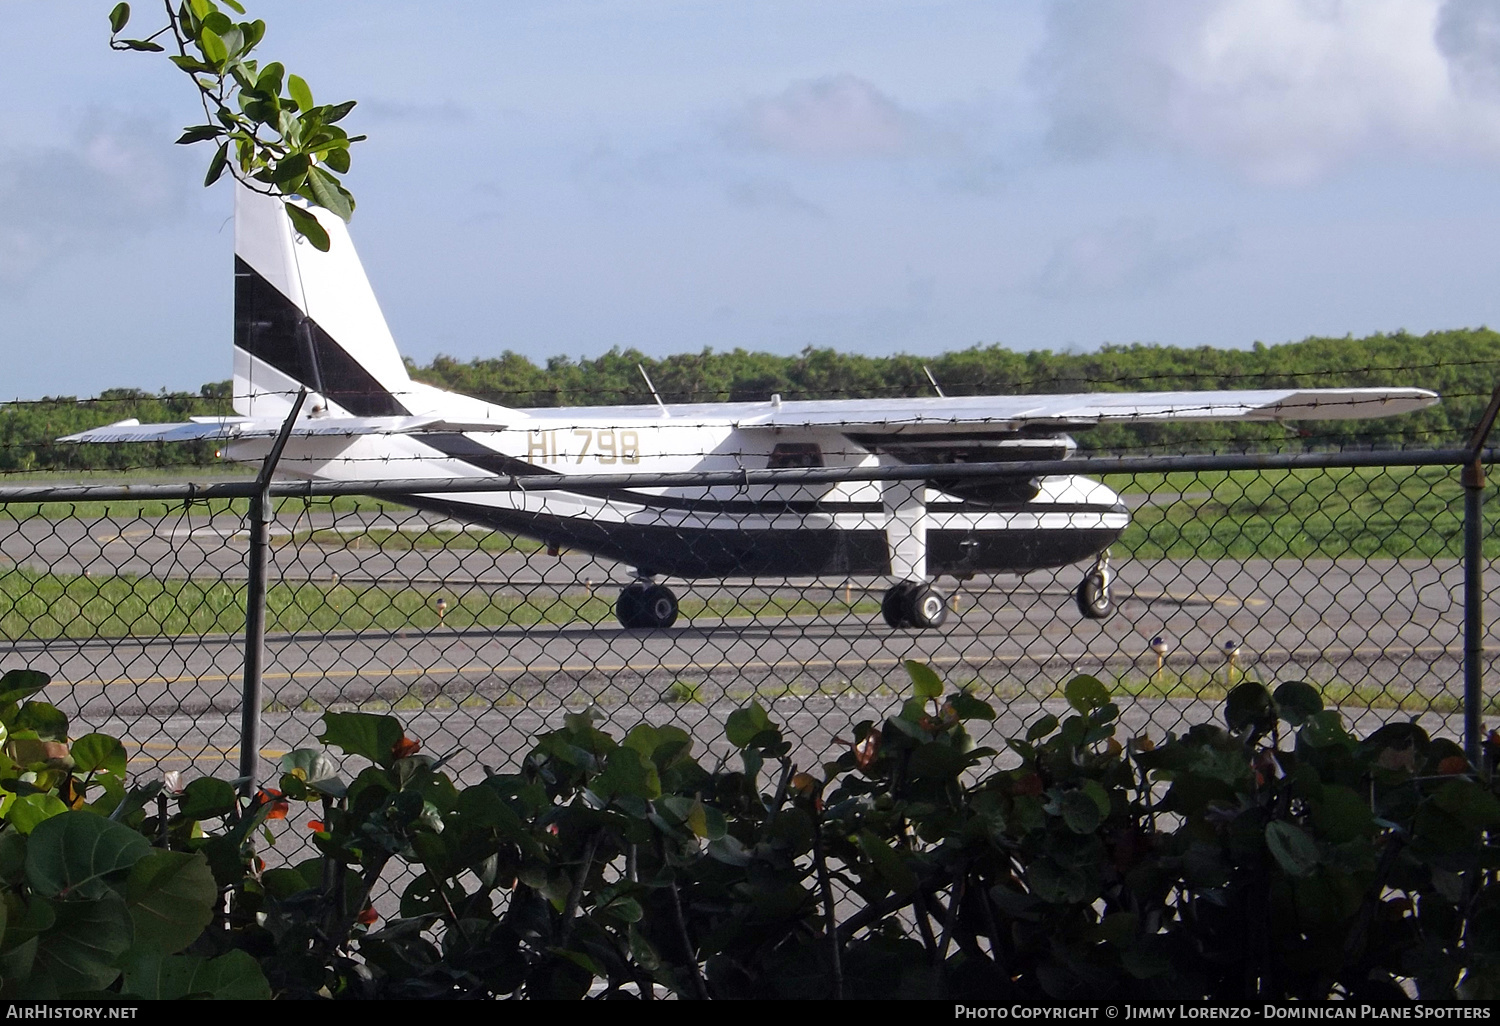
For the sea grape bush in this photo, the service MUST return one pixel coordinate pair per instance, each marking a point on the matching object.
(1273, 857)
(94, 900)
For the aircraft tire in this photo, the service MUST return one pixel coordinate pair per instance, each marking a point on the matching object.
(630, 607)
(926, 608)
(893, 606)
(1094, 600)
(658, 607)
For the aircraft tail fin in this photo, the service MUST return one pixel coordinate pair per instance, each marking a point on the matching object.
(307, 318)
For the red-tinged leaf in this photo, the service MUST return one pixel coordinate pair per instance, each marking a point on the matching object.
(405, 748)
(1453, 764)
(1030, 784)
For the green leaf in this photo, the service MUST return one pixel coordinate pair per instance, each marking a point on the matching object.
(730, 851)
(329, 194)
(72, 854)
(891, 868)
(1080, 812)
(970, 708)
(623, 908)
(365, 734)
(214, 50)
(338, 160)
(317, 768)
(627, 773)
(1341, 814)
(49, 722)
(217, 165)
(926, 684)
(1096, 791)
(1470, 802)
(289, 173)
(235, 976)
(18, 685)
(307, 225)
(1325, 730)
(269, 79)
(299, 91)
(29, 811)
(1297, 700)
(144, 45)
(208, 798)
(1086, 693)
(171, 897)
(198, 133)
(1041, 728)
(81, 949)
(99, 752)
(1294, 851)
(745, 724)
(698, 819)
(939, 760)
(118, 17)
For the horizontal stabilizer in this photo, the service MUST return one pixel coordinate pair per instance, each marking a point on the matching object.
(202, 428)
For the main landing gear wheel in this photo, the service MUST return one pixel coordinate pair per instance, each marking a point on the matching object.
(893, 606)
(1094, 600)
(910, 604)
(648, 606)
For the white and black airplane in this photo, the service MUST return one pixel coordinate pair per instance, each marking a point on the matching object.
(305, 319)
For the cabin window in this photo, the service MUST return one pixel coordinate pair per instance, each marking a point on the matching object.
(795, 454)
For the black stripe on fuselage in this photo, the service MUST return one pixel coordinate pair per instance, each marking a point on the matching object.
(271, 328)
(466, 450)
(689, 552)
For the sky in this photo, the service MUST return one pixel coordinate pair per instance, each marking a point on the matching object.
(564, 177)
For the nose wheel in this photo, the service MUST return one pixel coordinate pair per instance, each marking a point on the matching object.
(647, 606)
(1094, 599)
(913, 604)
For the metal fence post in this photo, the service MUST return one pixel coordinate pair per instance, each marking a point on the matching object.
(262, 510)
(1473, 482)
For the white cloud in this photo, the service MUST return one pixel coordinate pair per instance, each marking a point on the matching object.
(770, 194)
(1129, 255)
(116, 179)
(1468, 33)
(1283, 89)
(840, 117)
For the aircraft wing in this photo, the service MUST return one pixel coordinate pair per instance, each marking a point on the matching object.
(226, 428)
(1087, 409)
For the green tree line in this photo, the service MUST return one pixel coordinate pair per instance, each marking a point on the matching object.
(1461, 365)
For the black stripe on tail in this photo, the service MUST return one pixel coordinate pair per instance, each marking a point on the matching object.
(270, 328)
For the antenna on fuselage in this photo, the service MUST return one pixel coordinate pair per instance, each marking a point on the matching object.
(654, 394)
(941, 394)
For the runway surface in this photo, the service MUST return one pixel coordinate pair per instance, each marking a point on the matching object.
(1391, 628)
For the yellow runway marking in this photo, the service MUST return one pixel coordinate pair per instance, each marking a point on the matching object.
(538, 669)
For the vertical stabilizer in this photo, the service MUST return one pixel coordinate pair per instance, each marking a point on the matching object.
(306, 318)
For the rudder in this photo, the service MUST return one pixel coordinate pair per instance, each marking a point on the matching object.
(307, 318)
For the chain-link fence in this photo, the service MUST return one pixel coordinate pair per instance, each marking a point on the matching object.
(1346, 570)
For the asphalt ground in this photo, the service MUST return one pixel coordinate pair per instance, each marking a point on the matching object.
(1390, 628)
